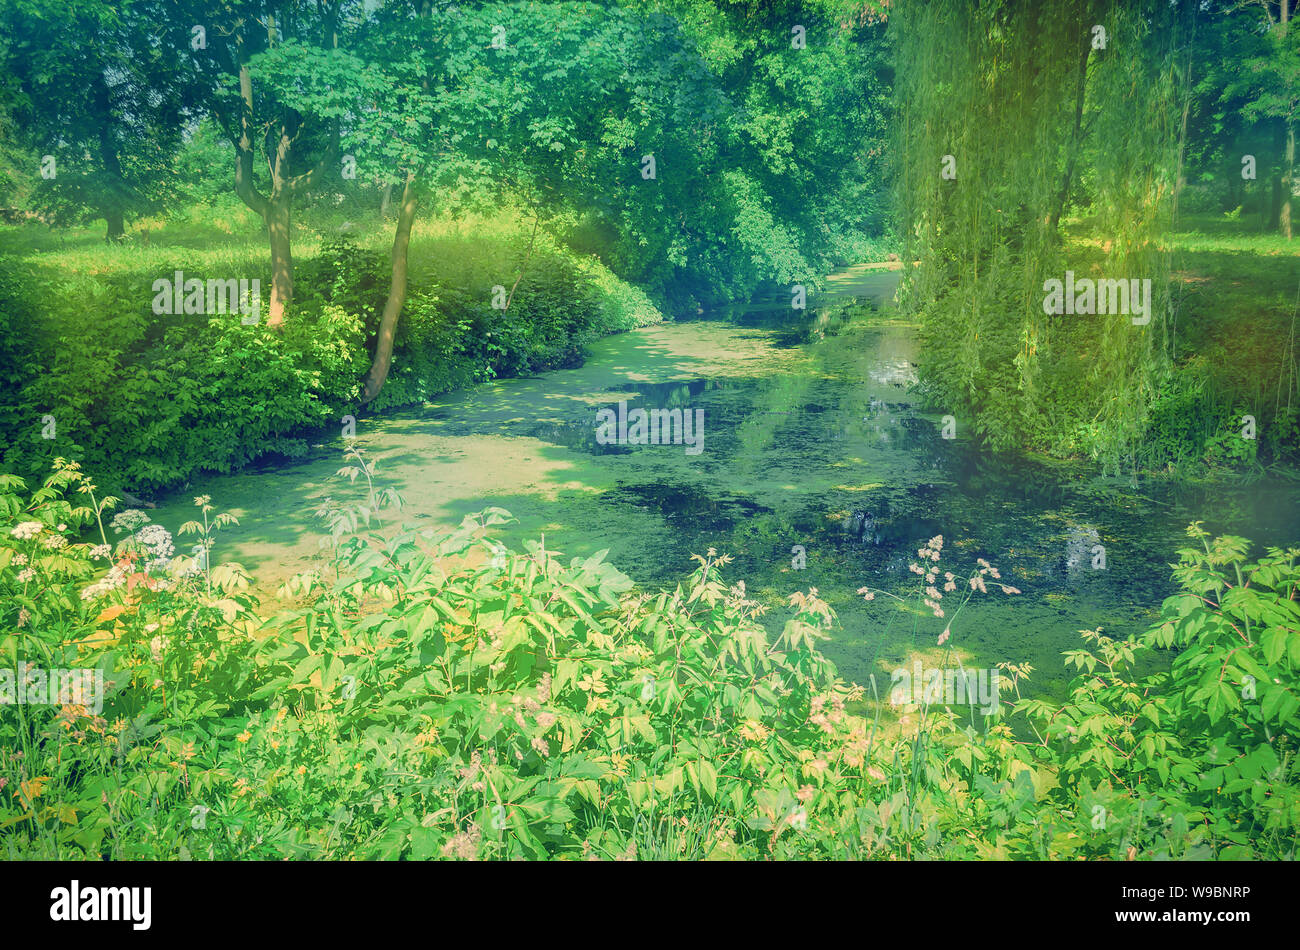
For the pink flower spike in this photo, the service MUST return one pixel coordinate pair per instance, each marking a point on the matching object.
(943, 637)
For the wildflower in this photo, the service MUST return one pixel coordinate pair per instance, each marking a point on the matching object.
(545, 720)
(157, 540)
(128, 521)
(23, 617)
(540, 747)
(915, 568)
(301, 770)
(866, 593)
(943, 637)
(544, 688)
(20, 559)
(463, 845)
(25, 575)
(1009, 590)
(805, 793)
(244, 736)
(26, 530)
(55, 541)
(875, 773)
(100, 550)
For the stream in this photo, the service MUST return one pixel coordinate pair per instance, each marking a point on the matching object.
(807, 441)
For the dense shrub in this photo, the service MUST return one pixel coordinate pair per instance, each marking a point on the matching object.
(150, 400)
(441, 696)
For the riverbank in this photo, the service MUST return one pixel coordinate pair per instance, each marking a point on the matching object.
(802, 442)
(147, 401)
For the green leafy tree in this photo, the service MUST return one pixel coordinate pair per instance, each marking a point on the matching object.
(1266, 75)
(102, 92)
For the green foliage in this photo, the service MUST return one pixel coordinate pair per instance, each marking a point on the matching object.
(1051, 138)
(442, 696)
(101, 88)
(150, 400)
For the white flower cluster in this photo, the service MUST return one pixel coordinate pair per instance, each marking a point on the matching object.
(129, 521)
(152, 539)
(27, 530)
(114, 579)
(158, 542)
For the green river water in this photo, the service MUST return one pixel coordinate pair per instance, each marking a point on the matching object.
(817, 444)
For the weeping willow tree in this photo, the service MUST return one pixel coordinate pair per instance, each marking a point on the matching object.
(1010, 115)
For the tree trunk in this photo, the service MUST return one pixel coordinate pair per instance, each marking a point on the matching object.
(386, 200)
(383, 361)
(1288, 172)
(1288, 161)
(276, 209)
(1279, 172)
(114, 213)
(116, 225)
(277, 223)
(1064, 194)
(1180, 177)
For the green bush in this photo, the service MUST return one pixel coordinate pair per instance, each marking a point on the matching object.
(151, 400)
(440, 696)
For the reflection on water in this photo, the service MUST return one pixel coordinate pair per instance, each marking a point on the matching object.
(820, 447)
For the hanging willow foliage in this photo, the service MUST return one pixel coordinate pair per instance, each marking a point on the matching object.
(1021, 102)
